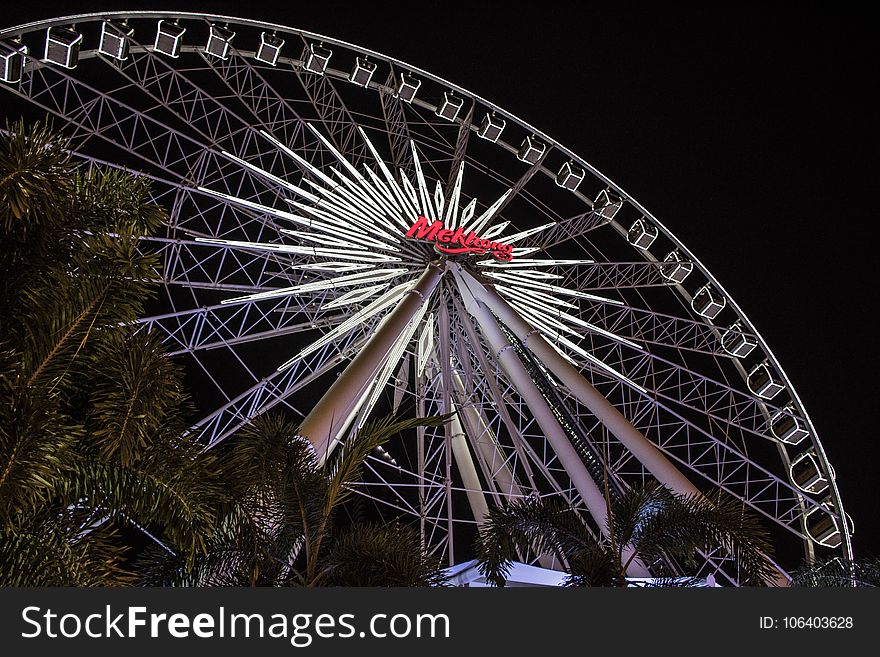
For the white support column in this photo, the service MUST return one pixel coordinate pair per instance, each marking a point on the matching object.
(420, 455)
(334, 410)
(568, 457)
(643, 449)
(519, 444)
(466, 469)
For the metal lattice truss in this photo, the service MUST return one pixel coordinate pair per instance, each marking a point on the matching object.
(294, 190)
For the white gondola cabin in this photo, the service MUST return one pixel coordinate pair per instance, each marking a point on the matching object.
(674, 268)
(569, 176)
(642, 234)
(219, 42)
(62, 46)
(169, 38)
(606, 205)
(491, 127)
(763, 382)
(823, 525)
(737, 342)
(807, 475)
(270, 48)
(315, 58)
(450, 106)
(531, 150)
(407, 88)
(707, 303)
(115, 39)
(362, 72)
(787, 426)
(12, 54)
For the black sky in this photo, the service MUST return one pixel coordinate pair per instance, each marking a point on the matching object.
(743, 128)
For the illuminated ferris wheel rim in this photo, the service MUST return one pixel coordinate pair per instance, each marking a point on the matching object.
(489, 107)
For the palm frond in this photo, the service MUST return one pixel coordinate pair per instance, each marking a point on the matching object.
(36, 450)
(264, 453)
(633, 510)
(539, 525)
(134, 388)
(278, 492)
(109, 201)
(45, 552)
(251, 547)
(381, 555)
(345, 465)
(91, 415)
(268, 461)
(35, 173)
(695, 522)
(592, 566)
(110, 285)
(181, 506)
(156, 566)
(672, 583)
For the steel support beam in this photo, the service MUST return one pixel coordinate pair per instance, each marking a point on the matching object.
(491, 458)
(323, 425)
(466, 469)
(486, 446)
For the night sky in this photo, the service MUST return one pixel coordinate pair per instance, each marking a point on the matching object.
(743, 129)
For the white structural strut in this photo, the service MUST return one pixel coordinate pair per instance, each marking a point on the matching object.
(466, 469)
(562, 447)
(630, 437)
(323, 425)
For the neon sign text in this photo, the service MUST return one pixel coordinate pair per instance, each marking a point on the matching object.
(457, 241)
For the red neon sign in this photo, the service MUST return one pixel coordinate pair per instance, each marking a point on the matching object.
(456, 241)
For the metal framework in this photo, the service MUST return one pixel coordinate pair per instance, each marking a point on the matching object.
(289, 280)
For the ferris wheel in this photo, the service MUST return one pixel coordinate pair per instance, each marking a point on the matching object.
(349, 236)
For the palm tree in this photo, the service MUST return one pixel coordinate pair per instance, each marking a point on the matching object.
(648, 522)
(91, 410)
(381, 555)
(279, 530)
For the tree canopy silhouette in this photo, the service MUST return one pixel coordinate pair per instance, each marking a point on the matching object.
(91, 409)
